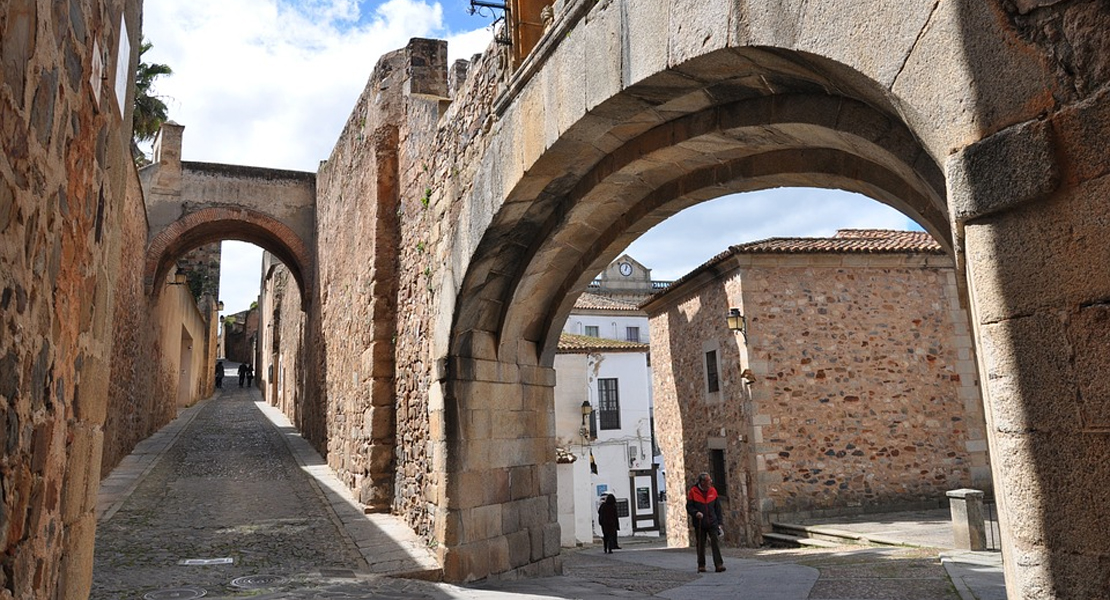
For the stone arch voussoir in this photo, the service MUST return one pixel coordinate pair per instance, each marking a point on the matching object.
(221, 223)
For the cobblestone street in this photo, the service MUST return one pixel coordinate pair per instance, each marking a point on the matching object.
(229, 502)
(228, 489)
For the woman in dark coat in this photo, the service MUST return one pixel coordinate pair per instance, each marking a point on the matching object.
(610, 523)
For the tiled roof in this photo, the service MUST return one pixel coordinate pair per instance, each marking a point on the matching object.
(846, 241)
(590, 301)
(867, 241)
(570, 343)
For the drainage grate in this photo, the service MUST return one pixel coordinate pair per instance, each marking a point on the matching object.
(185, 593)
(254, 582)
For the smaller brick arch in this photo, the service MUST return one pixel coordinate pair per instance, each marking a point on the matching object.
(220, 223)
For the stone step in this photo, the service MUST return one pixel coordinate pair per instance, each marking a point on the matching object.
(832, 534)
(793, 541)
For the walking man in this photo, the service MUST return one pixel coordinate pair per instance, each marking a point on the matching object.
(219, 373)
(704, 508)
(242, 373)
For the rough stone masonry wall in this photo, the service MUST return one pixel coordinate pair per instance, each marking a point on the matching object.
(290, 360)
(866, 391)
(64, 175)
(387, 201)
(142, 394)
(357, 233)
(686, 417)
(441, 151)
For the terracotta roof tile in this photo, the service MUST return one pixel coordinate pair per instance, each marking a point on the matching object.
(867, 241)
(846, 241)
(591, 301)
(570, 343)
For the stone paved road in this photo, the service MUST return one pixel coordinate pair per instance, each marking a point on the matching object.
(234, 482)
(228, 488)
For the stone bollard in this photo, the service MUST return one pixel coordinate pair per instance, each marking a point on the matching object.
(967, 519)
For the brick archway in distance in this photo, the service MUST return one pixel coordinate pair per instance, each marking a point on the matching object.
(219, 223)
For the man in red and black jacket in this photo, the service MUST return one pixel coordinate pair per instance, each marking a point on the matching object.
(705, 512)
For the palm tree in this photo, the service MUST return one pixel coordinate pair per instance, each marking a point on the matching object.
(150, 111)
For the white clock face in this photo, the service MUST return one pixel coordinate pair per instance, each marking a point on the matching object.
(626, 269)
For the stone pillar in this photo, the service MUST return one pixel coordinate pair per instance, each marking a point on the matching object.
(498, 515)
(967, 519)
(426, 68)
(1030, 205)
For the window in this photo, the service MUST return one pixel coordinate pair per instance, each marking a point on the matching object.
(712, 380)
(632, 334)
(718, 472)
(591, 330)
(608, 404)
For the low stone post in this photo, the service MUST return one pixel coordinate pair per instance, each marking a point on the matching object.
(967, 519)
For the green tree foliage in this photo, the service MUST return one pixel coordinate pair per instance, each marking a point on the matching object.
(150, 111)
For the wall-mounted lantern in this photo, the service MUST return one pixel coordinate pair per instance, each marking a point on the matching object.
(587, 410)
(737, 322)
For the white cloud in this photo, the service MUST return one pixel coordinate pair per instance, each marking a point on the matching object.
(269, 83)
(690, 238)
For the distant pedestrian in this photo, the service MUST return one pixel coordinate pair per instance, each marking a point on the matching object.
(250, 376)
(704, 508)
(242, 373)
(610, 523)
(219, 373)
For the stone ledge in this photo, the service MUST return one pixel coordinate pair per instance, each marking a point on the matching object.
(1012, 167)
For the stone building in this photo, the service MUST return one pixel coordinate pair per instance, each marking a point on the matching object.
(851, 387)
(240, 336)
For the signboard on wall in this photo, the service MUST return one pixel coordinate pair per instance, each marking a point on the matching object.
(123, 66)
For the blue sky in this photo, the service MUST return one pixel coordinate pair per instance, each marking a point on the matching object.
(270, 83)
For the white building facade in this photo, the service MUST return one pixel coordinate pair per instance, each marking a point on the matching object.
(603, 409)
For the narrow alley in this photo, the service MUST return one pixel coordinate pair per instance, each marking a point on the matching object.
(227, 508)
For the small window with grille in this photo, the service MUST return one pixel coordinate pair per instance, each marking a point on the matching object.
(608, 404)
(712, 378)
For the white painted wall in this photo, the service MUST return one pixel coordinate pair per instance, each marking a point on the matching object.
(576, 380)
(608, 326)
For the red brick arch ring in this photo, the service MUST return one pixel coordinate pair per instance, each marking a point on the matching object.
(216, 224)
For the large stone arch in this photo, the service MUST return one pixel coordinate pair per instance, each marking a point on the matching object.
(221, 223)
(647, 152)
(682, 101)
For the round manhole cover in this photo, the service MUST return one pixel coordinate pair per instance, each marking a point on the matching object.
(185, 593)
(254, 582)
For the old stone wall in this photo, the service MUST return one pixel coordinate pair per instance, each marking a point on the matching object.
(357, 226)
(866, 391)
(387, 207)
(281, 345)
(240, 333)
(687, 418)
(65, 172)
(142, 392)
(202, 270)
